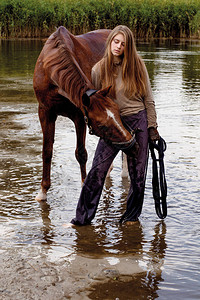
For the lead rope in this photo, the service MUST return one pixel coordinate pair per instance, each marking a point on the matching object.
(159, 183)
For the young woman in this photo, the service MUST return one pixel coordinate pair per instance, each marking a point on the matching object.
(124, 69)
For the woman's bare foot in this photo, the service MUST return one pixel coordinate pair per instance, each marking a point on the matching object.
(130, 222)
(68, 225)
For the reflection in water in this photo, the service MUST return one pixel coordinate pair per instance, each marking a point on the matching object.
(117, 241)
(114, 197)
(17, 61)
(123, 240)
(139, 286)
(165, 252)
(47, 229)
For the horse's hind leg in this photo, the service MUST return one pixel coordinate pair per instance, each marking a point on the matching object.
(124, 172)
(80, 152)
(124, 166)
(47, 120)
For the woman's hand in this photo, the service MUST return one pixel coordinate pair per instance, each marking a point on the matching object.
(153, 134)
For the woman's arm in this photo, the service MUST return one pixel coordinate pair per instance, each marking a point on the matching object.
(150, 104)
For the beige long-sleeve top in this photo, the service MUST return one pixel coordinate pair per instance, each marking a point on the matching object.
(132, 105)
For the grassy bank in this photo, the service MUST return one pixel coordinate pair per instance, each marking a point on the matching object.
(147, 18)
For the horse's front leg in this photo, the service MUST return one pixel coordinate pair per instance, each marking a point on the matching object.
(47, 120)
(80, 152)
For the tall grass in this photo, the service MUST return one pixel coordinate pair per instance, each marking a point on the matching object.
(147, 18)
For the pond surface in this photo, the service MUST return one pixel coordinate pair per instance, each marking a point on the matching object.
(153, 258)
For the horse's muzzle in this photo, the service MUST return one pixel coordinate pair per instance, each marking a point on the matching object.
(130, 148)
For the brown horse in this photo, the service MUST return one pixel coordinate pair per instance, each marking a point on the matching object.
(62, 86)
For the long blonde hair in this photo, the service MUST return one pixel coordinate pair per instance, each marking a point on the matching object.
(133, 69)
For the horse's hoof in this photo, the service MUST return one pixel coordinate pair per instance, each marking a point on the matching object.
(41, 196)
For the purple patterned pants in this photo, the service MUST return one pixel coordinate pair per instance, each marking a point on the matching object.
(104, 156)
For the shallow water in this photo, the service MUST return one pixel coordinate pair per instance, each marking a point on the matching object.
(166, 251)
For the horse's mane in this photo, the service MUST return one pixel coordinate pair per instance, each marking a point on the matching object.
(62, 66)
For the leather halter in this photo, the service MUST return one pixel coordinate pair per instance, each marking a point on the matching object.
(89, 93)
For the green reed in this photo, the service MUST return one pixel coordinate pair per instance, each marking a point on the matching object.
(147, 18)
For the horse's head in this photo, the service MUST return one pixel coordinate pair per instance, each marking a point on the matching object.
(103, 119)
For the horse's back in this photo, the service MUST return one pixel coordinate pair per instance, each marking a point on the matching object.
(65, 54)
(94, 43)
(93, 38)
(86, 48)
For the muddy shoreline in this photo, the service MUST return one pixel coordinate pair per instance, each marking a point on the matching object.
(75, 277)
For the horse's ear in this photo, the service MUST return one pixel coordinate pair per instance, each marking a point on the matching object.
(105, 91)
(86, 100)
